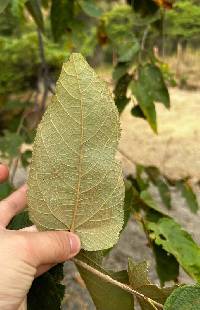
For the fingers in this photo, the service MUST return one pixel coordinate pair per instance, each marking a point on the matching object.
(12, 205)
(4, 173)
(51, 247)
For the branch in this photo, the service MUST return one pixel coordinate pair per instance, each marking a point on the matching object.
(45, 71)
(123, 286)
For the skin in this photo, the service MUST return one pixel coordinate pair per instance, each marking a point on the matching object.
(27, 253)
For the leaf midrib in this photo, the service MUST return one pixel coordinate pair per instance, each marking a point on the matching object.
(77, 203)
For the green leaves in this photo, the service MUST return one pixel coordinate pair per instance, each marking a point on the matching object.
(148, 89)
(189, 195)
(106, 296)
(186, 297)
(138, 277)
(81, 188)
(90, 8)
(3, 5)
(167, 233)
(10, 144)
(62, 12)
(36, 13)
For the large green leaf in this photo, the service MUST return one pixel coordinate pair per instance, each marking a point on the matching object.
(148, 89)
(184, 298)
(170, 235)
(3, 5)
(105, 295)
(120, 91)
(75, 182)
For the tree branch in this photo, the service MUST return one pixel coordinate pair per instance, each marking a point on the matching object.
(123, 286)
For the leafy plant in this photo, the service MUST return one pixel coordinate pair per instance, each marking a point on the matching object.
(79, 144)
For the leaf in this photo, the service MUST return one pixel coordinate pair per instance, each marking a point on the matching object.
(145, 102)
(138, 277)
(120, 91)
(62, 12)
(10, 144)
(45, 293)
(165, 261)
(25, 158)
(17, 8)
(170, 235)
(161, 183)
(137, 112)
(118, 25)
(34, 9)
(81, 188)
(3, 5)
(5, 190)
(90, 8)
(185, 297)
(105, 295)
(20, 221)
(189, 195)
(148, 89)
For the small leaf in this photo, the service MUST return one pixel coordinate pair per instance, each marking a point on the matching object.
(81, 188)
(35, 11)
(145, 102)
(185, 297)
(90, 8)
(62, 12)
(105, 295)
(3, 5)
(137, 112)
(25, 158)
(170, 235)
(20, 221)
(189, 195)
(165, 261)
(120, 91)
(10, 144)
(148, 89)
(138, 277)
(5, 190)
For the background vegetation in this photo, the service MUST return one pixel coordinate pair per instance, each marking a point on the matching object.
(143, 49)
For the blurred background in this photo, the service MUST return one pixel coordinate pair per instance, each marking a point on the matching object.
(148, 52)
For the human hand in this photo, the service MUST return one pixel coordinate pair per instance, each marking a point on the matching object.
(26, 254)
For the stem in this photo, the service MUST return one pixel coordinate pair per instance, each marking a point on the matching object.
(45, 72)
(123, 286)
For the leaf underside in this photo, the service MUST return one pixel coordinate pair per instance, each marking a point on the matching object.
(75, 182)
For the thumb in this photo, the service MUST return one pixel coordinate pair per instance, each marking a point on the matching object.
(52, 247)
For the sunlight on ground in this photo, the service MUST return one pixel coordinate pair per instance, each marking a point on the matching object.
(176, 149)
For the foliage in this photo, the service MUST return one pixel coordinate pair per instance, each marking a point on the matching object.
(186, 297)
(35, 39)
(184, 21)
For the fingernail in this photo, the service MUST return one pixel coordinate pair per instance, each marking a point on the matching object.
(75, 244)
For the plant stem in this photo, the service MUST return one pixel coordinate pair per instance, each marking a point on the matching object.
(123, 286)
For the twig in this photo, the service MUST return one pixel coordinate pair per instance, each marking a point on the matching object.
(45, 72)
(123, 286)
